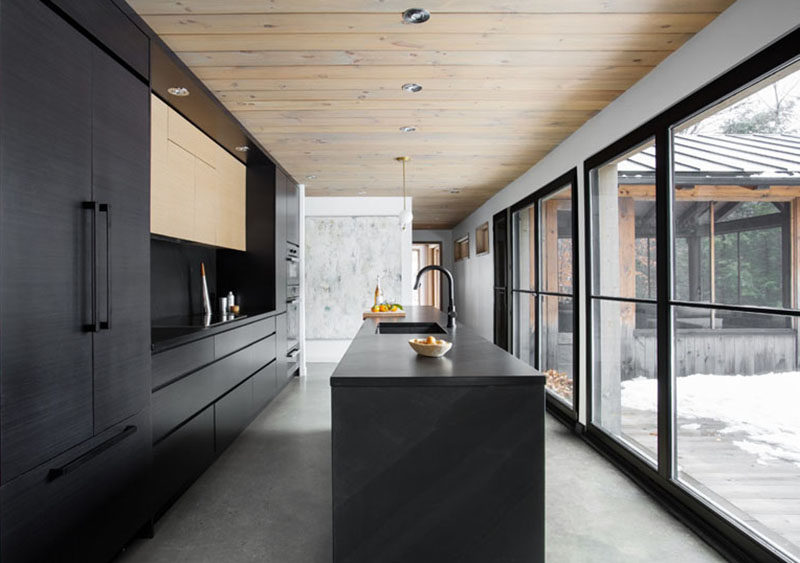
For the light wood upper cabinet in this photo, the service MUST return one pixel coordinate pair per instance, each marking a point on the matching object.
(197, 188)
(207, 199)
(231, 231)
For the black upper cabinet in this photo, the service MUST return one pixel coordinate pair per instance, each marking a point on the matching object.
(45, 237)
(120, 178)
(292, 212)
(111, 27)
(280, 240)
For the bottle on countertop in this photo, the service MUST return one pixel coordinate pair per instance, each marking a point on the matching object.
(230, 301)
(378, 293)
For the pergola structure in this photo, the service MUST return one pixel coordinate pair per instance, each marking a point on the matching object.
(721, 183)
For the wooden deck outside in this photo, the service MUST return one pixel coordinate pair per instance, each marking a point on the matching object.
(763, 494)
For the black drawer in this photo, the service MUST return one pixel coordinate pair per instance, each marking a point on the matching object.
(171, 364)
(83, 505)
(182, 456)
(232, 340)
(263, 352)
(183, 399)
(265, 385)
(232, 413)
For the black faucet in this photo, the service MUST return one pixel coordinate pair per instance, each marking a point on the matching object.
(451, 307)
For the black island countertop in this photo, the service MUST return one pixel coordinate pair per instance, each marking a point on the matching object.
(387, 359)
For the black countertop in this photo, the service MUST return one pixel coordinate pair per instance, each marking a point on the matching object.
(387, 359)
(168, 332)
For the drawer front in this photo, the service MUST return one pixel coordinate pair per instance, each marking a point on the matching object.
(232, 413)
(181, 400)
(89, 501)
(263, 352)
(233, 340)
(171, 364)
(182, 456)
(265, 385)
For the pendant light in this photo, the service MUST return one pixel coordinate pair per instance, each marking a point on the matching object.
(405, 215)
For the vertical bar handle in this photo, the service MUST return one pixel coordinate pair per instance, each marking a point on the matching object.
(94, 326)
(106, 208)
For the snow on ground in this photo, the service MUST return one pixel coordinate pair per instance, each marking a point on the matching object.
(763, 407)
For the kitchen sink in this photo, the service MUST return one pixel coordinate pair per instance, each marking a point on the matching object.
(409, 328)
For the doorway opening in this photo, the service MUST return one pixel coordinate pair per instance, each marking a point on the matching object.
(429, 292)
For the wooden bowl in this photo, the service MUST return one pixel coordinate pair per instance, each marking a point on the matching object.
(430, 350)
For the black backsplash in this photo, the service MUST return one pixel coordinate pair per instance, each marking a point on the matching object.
(175, 283)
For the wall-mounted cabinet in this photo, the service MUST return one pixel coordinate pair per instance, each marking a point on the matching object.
(198, 190)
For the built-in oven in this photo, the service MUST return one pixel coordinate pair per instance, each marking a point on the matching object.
(292, 265)
(292, 327)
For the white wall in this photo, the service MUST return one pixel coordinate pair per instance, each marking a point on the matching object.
(332, 349)
(739, 32)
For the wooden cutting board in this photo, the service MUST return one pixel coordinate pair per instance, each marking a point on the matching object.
(386, 315)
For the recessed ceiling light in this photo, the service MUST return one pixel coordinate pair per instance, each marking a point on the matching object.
(408, 129)
(455, 191)
(242, 148)
(412, 87)
(362, 192)
(179, 91)
(311, 177)
(416, 15)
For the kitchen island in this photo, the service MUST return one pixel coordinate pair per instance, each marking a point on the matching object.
(436, 459)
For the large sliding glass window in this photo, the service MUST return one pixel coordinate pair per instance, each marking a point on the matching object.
(623, 250)
(694, 304)
(736, 368)
(543, 286)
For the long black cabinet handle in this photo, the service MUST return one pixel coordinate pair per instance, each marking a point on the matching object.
(94, 326)
(57, 472)
(106, 208)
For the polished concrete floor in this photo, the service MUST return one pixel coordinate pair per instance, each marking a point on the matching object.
(267, 498)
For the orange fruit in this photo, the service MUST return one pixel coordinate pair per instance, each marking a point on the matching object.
(395, 308)
(430, 340)
(384, 308)
(375, 309)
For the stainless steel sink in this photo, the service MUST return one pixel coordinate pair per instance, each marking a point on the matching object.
(409, 328)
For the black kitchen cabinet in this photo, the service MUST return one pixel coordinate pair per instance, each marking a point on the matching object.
(292, 212)
(282, 345)
(46, 154)
(231, 414)
(120, 180)
(74, 273)
(182, 456)
(280, 240)
(113, 28)
(82, 505)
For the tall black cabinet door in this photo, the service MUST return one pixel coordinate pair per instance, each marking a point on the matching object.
(280, 241)
(46, 151)
(292, 212)
(121, 180)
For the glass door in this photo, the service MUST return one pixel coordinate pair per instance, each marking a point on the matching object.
(543, 287)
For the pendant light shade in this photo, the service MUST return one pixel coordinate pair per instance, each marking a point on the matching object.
(406, 217)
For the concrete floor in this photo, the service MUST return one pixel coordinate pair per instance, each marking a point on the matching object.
(267, 498)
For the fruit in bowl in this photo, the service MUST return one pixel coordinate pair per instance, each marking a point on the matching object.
(431, 347)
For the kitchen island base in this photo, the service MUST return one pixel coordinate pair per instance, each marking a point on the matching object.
(438, 474)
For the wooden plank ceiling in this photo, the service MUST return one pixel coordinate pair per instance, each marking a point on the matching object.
(318, 82)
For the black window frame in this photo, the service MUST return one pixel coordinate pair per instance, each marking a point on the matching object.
(727, 535)
(555, 404)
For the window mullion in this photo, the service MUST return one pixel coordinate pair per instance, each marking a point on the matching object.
(666, 396)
